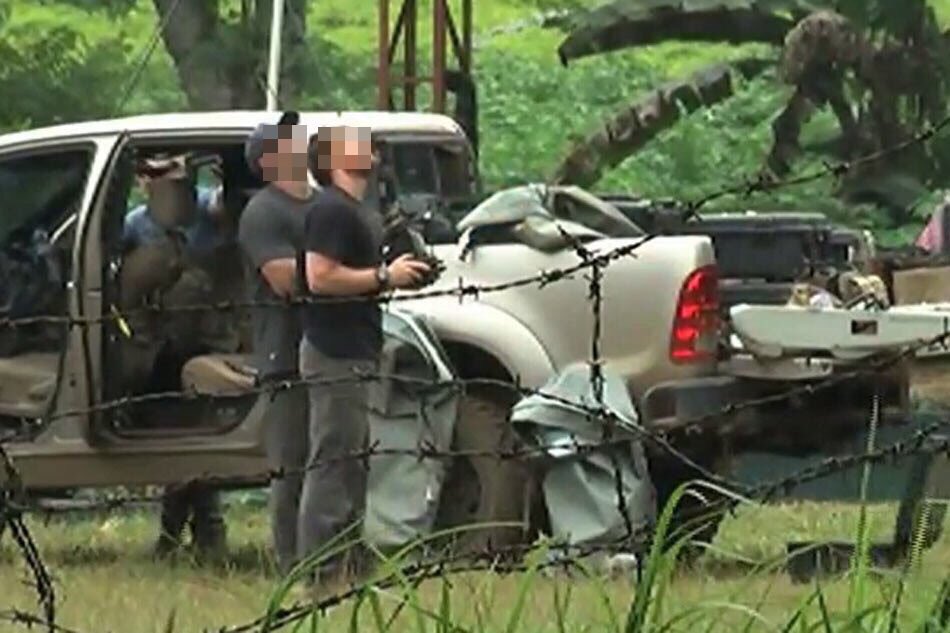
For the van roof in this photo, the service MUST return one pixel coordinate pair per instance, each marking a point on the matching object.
(238, 121)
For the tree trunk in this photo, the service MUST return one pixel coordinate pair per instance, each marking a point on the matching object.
(223, 66)
(186, 34)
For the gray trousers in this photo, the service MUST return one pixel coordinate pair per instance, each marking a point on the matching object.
(333, 497)
(286, 428)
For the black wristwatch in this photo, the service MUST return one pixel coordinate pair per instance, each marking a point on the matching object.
(382, 276)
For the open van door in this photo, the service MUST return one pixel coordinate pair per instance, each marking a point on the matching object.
(46, 190)
(155, 420)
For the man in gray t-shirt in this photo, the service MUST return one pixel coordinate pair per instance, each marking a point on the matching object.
(270, 234)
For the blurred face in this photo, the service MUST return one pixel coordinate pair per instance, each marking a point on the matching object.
(356, 152)
(349, 150)
(341, 149)
(285, 156)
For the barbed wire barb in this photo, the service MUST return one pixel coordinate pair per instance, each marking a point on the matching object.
(15, 500)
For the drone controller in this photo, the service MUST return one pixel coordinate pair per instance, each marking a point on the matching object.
(402, 235)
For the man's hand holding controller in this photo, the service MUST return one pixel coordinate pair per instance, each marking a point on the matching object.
(404, 272)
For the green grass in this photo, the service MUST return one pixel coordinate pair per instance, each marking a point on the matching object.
(106, 581)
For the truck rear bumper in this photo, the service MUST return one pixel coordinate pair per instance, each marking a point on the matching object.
(800, 424)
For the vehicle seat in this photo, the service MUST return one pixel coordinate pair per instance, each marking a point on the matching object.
(27, 382)
(218, 375)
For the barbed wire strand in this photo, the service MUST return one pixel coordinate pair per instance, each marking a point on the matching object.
(14, 489)
(12, 519)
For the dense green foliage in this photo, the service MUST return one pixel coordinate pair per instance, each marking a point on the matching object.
(64, 60)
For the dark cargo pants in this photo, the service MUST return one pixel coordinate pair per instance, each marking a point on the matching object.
(286, 427)
(334, 486)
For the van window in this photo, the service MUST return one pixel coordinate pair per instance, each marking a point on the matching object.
(39, 191)
(415, 168)
(436, 168)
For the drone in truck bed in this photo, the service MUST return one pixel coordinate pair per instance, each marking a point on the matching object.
(775, 332)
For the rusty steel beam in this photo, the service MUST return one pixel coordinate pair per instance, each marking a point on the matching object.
(404, 34)
(397, 31)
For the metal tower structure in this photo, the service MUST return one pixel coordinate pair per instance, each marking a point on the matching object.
(405, 76)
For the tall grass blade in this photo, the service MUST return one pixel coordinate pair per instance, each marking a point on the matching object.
(938, 618)
(856, 620)
(336, 546)
(311, 619)
(765, 568)
(355, 612)
(390, 566)
(644, 595)
(859, 576)
(799, 614)
(898, 598)
(527, 579)
(560, 608)
(823, 609)
(376, 609)
(428, 613)
(758, 606)
(478, 606)
(599, 587)
(410, 594)
(445, 607)
(719, 606)
(170, 622)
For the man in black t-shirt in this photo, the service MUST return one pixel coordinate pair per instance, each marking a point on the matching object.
(342, 338)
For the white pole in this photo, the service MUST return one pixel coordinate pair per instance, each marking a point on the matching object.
(273, 66)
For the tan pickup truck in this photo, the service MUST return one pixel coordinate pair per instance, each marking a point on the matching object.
(65, 190)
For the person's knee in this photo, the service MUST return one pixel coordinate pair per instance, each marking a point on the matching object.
(340, 423)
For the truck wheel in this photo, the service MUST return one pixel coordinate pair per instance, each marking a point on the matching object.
(691, 514)
(483, 489)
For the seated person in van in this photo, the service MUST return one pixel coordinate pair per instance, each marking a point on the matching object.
(200, 226)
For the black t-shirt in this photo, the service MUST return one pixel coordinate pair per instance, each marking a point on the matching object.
(342, 229)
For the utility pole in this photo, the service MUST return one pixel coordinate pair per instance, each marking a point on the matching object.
(273, 61)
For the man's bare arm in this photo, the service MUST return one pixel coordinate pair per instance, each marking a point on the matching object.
(280, 275)
(329, 277)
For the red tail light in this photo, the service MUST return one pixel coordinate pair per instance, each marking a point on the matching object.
(695, 334)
